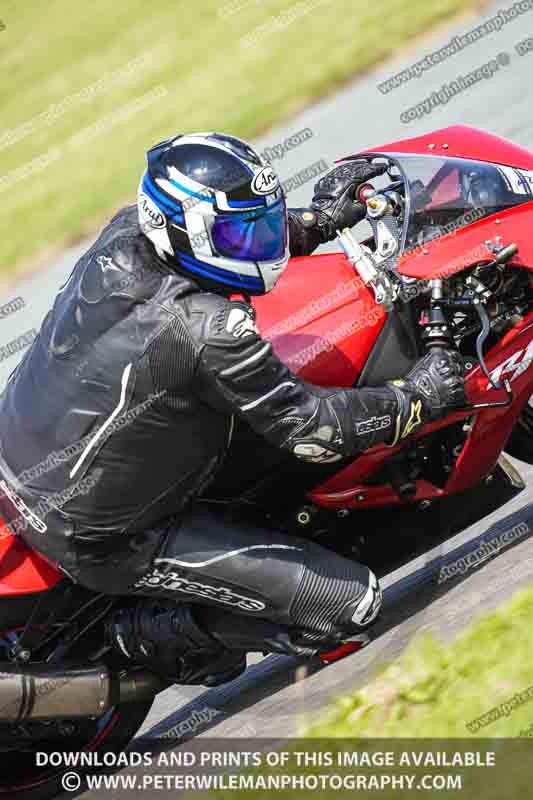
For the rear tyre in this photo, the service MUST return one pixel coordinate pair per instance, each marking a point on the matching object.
(22, 779)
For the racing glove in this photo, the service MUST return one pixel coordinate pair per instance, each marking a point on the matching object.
(431, 389)
(334, 206)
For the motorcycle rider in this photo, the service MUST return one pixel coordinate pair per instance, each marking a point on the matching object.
(122, 411)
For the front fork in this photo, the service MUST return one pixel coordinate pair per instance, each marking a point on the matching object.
(437, 333)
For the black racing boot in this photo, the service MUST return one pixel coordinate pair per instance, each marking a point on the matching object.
(165, 638)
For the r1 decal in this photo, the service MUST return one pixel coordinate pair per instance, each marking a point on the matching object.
(514, 366)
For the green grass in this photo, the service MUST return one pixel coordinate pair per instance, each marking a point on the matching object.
(434, 692)
(193, 57)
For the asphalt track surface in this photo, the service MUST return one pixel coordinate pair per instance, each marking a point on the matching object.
(277, 695)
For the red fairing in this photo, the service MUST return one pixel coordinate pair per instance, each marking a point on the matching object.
(461, 141)
(23, 571)
(321, 319)
(462, 248)
(349, 488)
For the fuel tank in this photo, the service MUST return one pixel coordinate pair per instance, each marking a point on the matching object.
(321, 319)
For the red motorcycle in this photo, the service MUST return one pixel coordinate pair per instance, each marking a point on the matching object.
(448, 261)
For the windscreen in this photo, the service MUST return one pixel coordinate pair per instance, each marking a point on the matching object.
(447, 194)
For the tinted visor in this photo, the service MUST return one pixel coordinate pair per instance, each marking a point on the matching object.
(252, 235)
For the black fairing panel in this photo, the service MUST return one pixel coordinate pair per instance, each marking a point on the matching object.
(395, 350)
(257, 472)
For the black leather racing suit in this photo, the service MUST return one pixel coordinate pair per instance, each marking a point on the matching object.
(122, 412)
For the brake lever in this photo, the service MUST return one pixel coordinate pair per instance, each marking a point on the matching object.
(480, 341)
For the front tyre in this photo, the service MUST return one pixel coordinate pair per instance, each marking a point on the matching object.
(520, 443)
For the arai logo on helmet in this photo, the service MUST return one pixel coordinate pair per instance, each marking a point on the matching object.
(149, 213)
(265, 181)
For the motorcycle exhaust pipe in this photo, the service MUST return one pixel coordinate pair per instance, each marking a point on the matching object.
(47, 693)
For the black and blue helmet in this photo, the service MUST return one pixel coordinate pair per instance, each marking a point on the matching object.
(215, 208)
